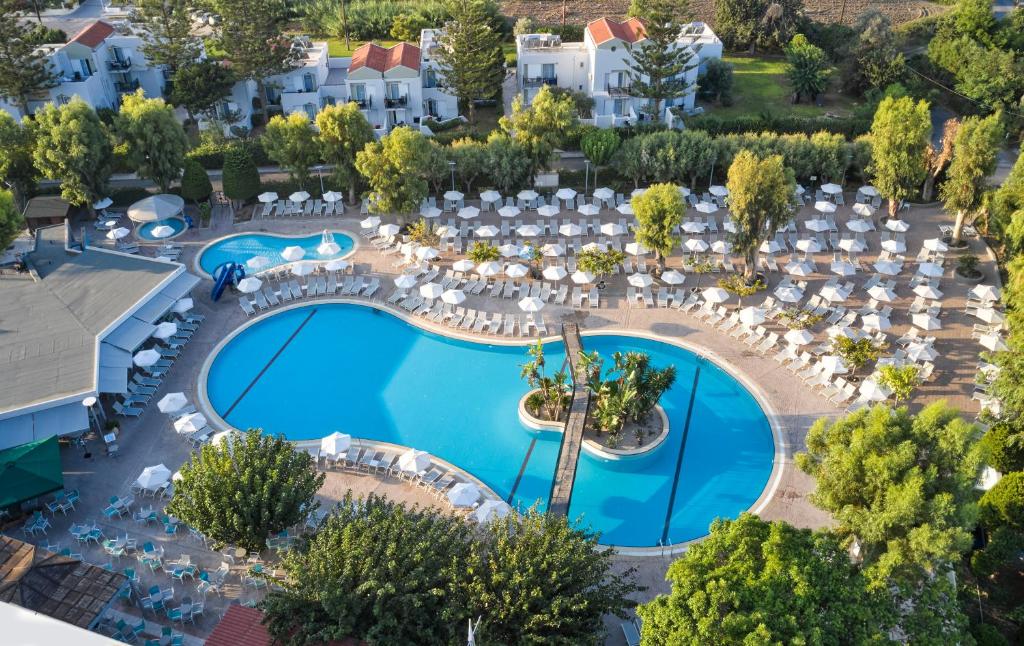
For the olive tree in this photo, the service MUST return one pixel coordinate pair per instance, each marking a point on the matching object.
(760, 197)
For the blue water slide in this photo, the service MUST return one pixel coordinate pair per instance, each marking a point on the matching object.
(225, 274)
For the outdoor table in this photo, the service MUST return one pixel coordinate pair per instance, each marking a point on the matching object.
(240, 552)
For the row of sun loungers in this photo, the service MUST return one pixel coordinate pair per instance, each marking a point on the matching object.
(307, 209)
(315, 286)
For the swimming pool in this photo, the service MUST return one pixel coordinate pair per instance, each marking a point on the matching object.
(145, 231)
(311, 370)
(241, 247)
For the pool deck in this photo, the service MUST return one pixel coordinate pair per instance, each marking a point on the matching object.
(792, 408)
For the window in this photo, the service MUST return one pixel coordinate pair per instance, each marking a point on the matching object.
(620, 107)
(358, 92)
(394, 91)
(548, 71)
(310, 111)
(430, 78)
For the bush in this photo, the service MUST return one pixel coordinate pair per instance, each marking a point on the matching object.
(715, 125)
(210, 154)
(1003, 504)
(1003, 456)
(128, 196)
(195, 183)
(988, 635)
(241, 179)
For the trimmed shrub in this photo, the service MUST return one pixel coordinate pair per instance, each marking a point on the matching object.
(1003, 504)
(714, 125)
(1003, 456)
(241, 178)
(195, 183)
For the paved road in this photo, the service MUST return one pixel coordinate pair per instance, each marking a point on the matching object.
(73, 21)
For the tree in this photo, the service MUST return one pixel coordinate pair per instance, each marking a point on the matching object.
(168, 39)
(749, 24)
(599, 263)
(599, 146)
(195, 183)
(469, 58)
(72, 145)
(155, 139)
(250, 33)
(735, 284)
(482, 252)
(470, 157)
(900, 135)
(508, 163)
(807, 68)
(856, 353)
(900, 380)
(760, 197)
(1008, 206)
(975, 153)
(408, 26)
(395, 168)
(658, 212)
(11, 222)
(541, 127)
(542, 581)
(938, 158)
(757, 582)
(874, 61)
(344, 131)
(552, 396)
(1004, 455)
(715, 84)
(901, 485)
(200, 86)
(291, 142)
(241, 178)
(24, 69)
(659, 65)
(246, 488)
(1002, 516)
(16, 144)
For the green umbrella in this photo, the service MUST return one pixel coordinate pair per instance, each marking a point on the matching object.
(30, 470)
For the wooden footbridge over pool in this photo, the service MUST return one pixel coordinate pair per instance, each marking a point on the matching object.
(572, 435)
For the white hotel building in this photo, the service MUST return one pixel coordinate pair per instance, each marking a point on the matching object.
(598, 66)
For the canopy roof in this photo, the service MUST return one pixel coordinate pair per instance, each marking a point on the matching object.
(29, 471)
(156, 207)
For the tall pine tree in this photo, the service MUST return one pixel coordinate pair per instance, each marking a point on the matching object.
(23, 70)
(167, 36)
(469, 56)
(660, 62)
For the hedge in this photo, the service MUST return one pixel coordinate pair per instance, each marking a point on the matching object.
(211, 156)
(851, 128)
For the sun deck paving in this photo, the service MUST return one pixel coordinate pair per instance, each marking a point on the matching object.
(150, 439)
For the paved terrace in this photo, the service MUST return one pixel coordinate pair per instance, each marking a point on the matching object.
(150, 439)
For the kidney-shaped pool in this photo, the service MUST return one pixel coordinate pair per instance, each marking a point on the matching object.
(243, 246)
(311, 370)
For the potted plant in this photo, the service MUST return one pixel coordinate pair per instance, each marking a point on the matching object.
(967, 269)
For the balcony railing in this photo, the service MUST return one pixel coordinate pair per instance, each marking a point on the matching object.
(618, 89)
(124, 87)
(364, 103)
(396, 101)
(119, 63)
(537, 81)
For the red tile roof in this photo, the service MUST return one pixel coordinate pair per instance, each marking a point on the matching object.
(240, 625)
(602, 30)
(383, 59)
(93, 35)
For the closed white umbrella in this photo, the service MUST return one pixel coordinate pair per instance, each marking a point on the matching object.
(808, 245)
(640, 280)
(369, 222)
(293, 253)
(468, 212)
(930, 269)
(831, 189)
(612, 229)
(894, 246)
(882, 293)
(103, 203)
(548, 210)
(509, 250)
(303, 268)
(118, 233)
(799, 268)
(799, 337)
(183, 305)
(430, 212)
(146, 358)
(721, 246)
(463, 494)
(718, 191)
(934, 244)
(509, 211)
(625, 208)
(899, 226)
(453, 196)
(335, 444)
(487, 269)
(852, 244)
(332, 196)
(636, 249)
(817, 225)
(516, 270)
(695, 245)
(769, 246)
(824, 206)
(414, 461)
(190, 423)
(329, 248)
(877, 322)
(527, 195)
(672, 277)
(491, 510)
(553, 250)
(486, 231)
(832, 294)
(581, 277)
(555, 272)
(589, 209)
(405, 281)
(165, 330)
(858, 226)
(162, 231)
(993, 342)
(843, 268)
(299, 196)
(490, 196)
(528, 230)
(531, 304)
(865, 211)
(256, 263)
(706, 207)
(752, 316)
(172, 402)
(154, 476)
(336, 264)
(388, 230)
(833, 365)
(463, 265)
(887, 267)
(694, 227)
(604, 193)
(453, 296)
(570, 230)
(789, 294)
(985, 293)
(431, 290)
(715, 295)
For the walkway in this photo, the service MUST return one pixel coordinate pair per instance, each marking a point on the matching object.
(572, 436)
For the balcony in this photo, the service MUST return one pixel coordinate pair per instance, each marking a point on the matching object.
(125, 87)
(537, 81)
(119, 64)
(396, 102)
(364, 103)
(619, 89)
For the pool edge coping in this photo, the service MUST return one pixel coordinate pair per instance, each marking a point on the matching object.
(781, 447)
(198, 269)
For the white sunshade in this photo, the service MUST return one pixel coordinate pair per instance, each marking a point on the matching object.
(789, 294)
(672, 277)
(594, 246)
(715, 295)
(190, 423)
(640, 280)
(589, 209)
(990, 315)
(162, 231)
(831, 189)
(182, 305)
(843, 268)
(336, 264)
(769, 246)
(303, 268)
(858, 225)
(509, 250)
(871, 391)
(921, 352)
(405, 281)
(486, 231)
(721, 246)
(102, 203)
(930, 269)
(894, 246)
(268, 196)
(491, 510)
(808, 245)
(490, 196)
(528, 230)
(463, 494)
(332, 196)
(335, 443)
(684, 191)
(637, 192)
(463, 265)
(899, 226)
(612, 229)
(868, 190)
(153, 476)
(877, 322)
(864, 210)
(824, 206)
(832, 294)
(555, 272)
(636, 249)
(445, 231)
(799, 190)
(934, 244)
(329, 248)
(928, 291)
(926, 321)
(516, 270)
(453, 196)
(531, 304)
(146, 358)
(993, 342)
(799, 268)
(696, 245)
(729, 226)
(833, 365)
(581, 277)
(453, 296)
(852, 244)
(718, 191)
(256, 263)
(570, 230)
(625, 208)
(985, 293)
(156, 207)
(553, 250)
(431, 290)
(299, 196)
(430, 212)
(565, 194)
(414, 461)
(752, 316)
(694, 227)
(172, 402)
(388, 230)
(527, 195)
(487, 269)
(882, 293)
(118, 233)
(604, 193)
(887, 267)
(370, 222)
(799, 337)
(548, 210)
(817, 225)
(509, 211)
(293, 253)
(706, 207)
(468, 212)
(165, 330)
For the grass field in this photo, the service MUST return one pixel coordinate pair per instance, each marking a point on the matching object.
(336, 46)
(760, 85)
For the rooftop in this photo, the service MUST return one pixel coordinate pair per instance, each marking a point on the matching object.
(383, 59)
(92, 35)
(602, 30)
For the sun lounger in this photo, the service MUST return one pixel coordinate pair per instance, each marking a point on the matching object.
(126, 411)
(481, 321)
(246, 305)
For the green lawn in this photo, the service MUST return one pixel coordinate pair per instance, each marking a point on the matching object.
(336, 46)
(760, 84)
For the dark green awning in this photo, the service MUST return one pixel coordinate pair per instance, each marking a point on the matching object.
(30, 470)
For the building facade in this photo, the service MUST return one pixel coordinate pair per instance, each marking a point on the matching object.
(599, 67)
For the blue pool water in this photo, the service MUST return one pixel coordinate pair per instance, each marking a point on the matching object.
(145, 231)
(309, 371)
(242, 247)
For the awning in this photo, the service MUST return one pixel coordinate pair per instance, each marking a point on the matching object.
(131, 334)
(180, 287)
(113, 357)
(154, 308)
(156, 207)
(113, 381)
(69, 419)
(29, 471)
(16, 430)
